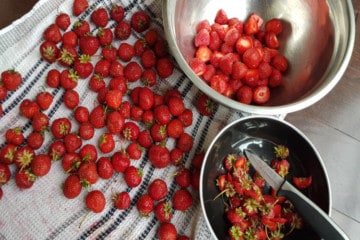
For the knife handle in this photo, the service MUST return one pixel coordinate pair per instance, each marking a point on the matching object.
(322, 224)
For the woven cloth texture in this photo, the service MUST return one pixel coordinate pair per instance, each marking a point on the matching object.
(42, 212)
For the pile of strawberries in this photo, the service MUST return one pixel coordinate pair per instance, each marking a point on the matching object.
(127, 110)
(240, 59)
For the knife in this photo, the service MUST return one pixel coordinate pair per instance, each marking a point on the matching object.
(322, 224)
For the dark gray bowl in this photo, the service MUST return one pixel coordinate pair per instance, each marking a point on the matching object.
(260, 134)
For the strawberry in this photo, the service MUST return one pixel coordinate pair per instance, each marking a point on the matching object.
(261, 94)
(205, 105)
(24, 179)
(7, 153)
(72, 186)
(145, 140)
(88, 153)
(146, 98)
(145, 205)
(126, 52)
(161, 48)
(117, 71)
(71, 98)
(121, 200)
(133, 176)
(102, 67)
(95, 201)
(151, 37)
(175, 128)
(83, 66)
(105, 36)
(113, 98)
(244, 94)
(202, 38)
(44, 100)
(70, 38)
(5, 174)
(89, 44)
(197, 66)
(167, 231)
(67, 55)
(148, 77)
(52, 33)
(131, 131)
(159, 156)
(11, 79)
(35, 140)
(72, 142)
(49, 51)
(140, 21)
(96, 82)
(140, 46)
(81, 114)
(184, 142)
(100, 17)
(98, 116)
(56, 150)
(186, 117)
(271, 40)
(3, 91)
(29, 108)
(162, 114)
(165, 67)
(117, 12)
(81, 28)
(60, 127)
(120, 161)
(163, 211)
(122, 30)
(252, 58)
(106, 143)
(158, 132)
(134, 150)
(115, 122)
(105, 167)
(86, 130)
(53, 78)
(63, 21)
(176, 156)
(221, 17)
(183, 177)
(274, 25)
(79, 6)
(132, 71)
(41, 165)
(71, 162)
(280, 62)
(182, 200)
(88, 173)
(157, 189)
(14, 136)
(252, 24)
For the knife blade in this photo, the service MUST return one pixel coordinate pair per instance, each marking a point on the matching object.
(321, 223)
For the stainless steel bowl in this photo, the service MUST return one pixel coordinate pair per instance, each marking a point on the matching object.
(317, 39)
(260, 134)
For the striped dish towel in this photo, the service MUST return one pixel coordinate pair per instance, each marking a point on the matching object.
(42, 212)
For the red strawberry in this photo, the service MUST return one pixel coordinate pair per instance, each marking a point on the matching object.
(71, 98)
(5, 174)
(81, 114)
(120, 161)
(96, 82)
(126, 52)
(145, 205)
(134, 150)
(145, 140)
(252, 24)
(136, 113)
(148, 77)
(157, 189)
(63, 21)
(67, 55)
(117, 12)
(176, 106)
(122, 30)
(105, 36)
(88, 173)
(52, 33)
(162, 114)
(165, 67)
(184, 142)
(161, 48)
(140, 21)
(132, 71)
(89, 44)
(11, 79)
(98, 116)
(24, 179)
(115, 122)
(176, 156)
(7, 153)
(71, 162)
(60, 127)
(113, 98)
(14, 136)
(175, 128)
(100, 17)
(106, 143)
(186, 117)
(79, 6)
(167, 231)
(53, 78)
(86, 130)
(41, 165)
(121, 200)
(72, 142)
(146, 98)
(117, 71)
(221, 17)
(105, 168)
(133, 176)
(95, 201)
(102, 67)
(182, 200)
(183, 177)
(140, 46)
(159, 156)
(151, 37)
(49, 51)
(3, 91)
(244, 94)
(88, 153)
(131, 131)
(44, 100)
(72, 186)
(274, 25)
(70, 38)
(163, 211)
(158, 132)
(261, 94)
(202, 38)
(82, 28)
(29, 108)
(56, 150)
(205, 105)
(35, 140)
(83, 66)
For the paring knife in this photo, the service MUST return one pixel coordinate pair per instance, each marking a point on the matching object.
(321, 223)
